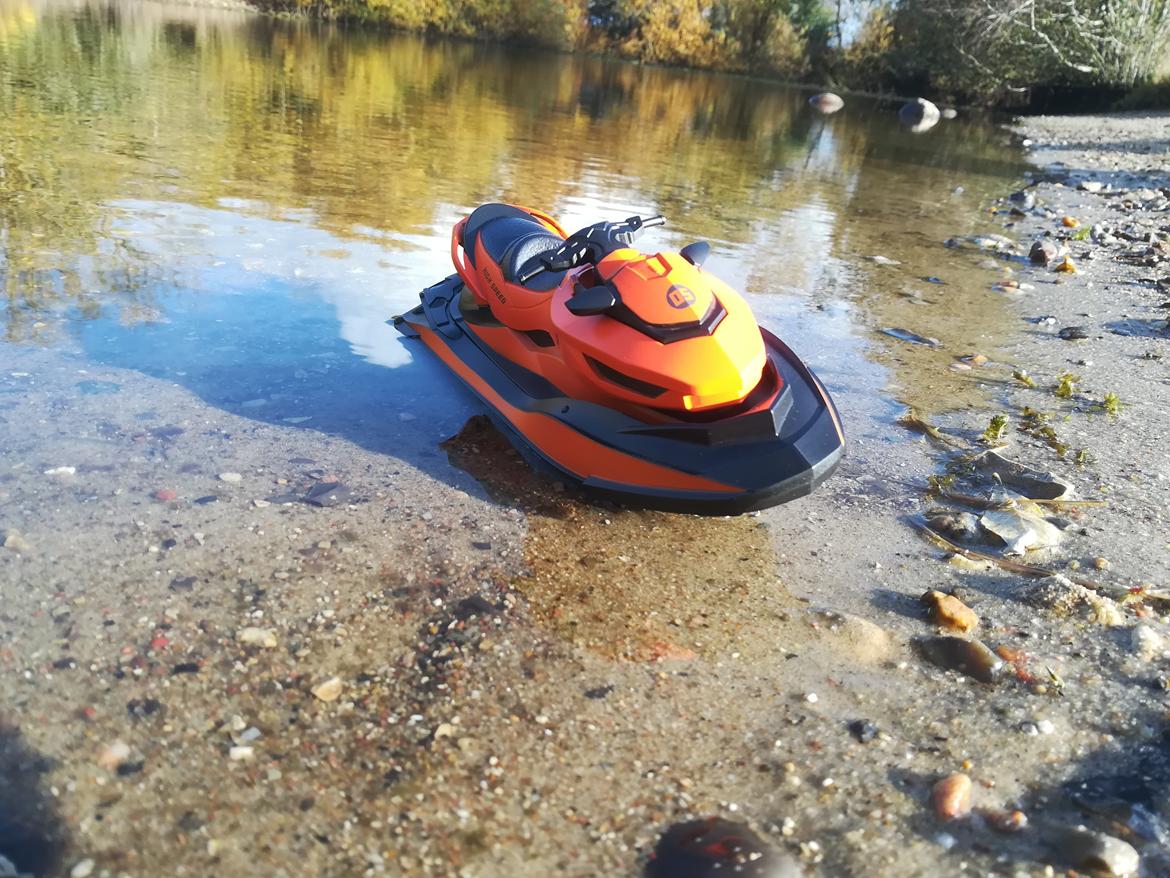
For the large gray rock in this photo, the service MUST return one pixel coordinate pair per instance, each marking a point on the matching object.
(826, 102)
(1099, 853)
(919, 115)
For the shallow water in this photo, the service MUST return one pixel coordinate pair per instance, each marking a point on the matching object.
(294, 185)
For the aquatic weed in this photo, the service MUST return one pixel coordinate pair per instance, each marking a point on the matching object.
(1112, 404)
(1082, 458)
(1066, 384)
(996, 429)
(1024, 378)
(938, 485)
(1035, 424)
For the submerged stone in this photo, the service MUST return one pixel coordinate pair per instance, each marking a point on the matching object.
(826, 102)
(948, 611)
(919, 115)
(714, 847)
(97, 388)
(327, 494)
(1099, 853)
(969, 657)
(911, 337)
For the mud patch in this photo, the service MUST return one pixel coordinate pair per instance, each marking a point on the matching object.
(31, 833)
(628, 583)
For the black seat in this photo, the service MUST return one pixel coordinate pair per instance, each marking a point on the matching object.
(511, 237)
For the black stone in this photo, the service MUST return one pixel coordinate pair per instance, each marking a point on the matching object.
(863, 730)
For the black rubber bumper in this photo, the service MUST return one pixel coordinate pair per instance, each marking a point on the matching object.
(768, 458)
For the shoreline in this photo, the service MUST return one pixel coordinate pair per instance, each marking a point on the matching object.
(1096, 96)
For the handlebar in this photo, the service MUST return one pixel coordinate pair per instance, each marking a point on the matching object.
(588, 245)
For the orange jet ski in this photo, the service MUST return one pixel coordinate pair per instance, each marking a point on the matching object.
(635, 376)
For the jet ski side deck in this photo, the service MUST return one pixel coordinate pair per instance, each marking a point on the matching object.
(721, 467)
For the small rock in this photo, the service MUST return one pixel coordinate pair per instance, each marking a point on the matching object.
(1070, 222)
(231, 478)
(260, 504)
(863, 730)
(330, 690)
(969, 565)
(1090, 185)
(113, 755)
(1074, 333)
(1148, 643)
(1020, 530)
(327, 494)
(1044, 252)
(1099, 853)
(262, 637)
(1101, 563)
(13, 541)
(826, 102)
(865, 641)
(183, 583)
(883, 260)
(960, 526)
(951, 797)
(241, 753)
(977, 360)
(970, 657)
(97, 388)
(82, 869)
(141, 708)
(950, 113)
(1029, 482)
(950, 612)
(1025, 199)
(911, 337)
(61, 471)
(715, 846)
(1066, 266)
(1007, 821)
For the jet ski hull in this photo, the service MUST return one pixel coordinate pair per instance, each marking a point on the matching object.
(715, 467)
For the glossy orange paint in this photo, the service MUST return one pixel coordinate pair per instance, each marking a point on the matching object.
(573, 452)
(601, 359)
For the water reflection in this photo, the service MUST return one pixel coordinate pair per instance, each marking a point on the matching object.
(145, 144)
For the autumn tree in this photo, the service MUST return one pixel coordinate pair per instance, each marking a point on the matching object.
(977, 46)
